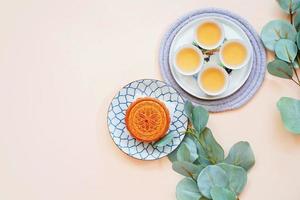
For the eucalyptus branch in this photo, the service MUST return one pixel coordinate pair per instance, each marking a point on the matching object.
(201, 160)
(287, 51)
(291, 21)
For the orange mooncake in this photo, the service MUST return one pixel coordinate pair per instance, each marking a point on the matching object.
(147, 119)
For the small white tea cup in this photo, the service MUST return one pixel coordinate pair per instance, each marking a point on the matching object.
(218, 43)
(236, 66)
(197, 51)
(213, 93)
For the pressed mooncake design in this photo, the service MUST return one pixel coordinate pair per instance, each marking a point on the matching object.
(147, 119)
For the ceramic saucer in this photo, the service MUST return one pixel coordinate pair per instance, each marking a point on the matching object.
(116, 118)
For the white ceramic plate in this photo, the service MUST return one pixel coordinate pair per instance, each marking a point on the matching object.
(189, 83)
(116, 118)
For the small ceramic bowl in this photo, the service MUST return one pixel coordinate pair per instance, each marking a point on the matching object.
(246, 60)
(216, 45)
(199, 53)
(210, 93)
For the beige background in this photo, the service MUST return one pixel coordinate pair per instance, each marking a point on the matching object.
(61, 63)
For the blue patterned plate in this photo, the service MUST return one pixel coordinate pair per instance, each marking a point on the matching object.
(116, 118)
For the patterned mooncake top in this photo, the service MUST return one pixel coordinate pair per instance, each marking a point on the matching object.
(147, 119)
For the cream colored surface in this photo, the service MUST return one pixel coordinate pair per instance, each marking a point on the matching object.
(61, 63)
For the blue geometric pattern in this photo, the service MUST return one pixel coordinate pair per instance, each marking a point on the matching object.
(119, 105)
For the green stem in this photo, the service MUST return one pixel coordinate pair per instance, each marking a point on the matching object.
(295, 71)
(192, 133)
(298, 59)
(295, 82)
(291, 78)
(291, 20)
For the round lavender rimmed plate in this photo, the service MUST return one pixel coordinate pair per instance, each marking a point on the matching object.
(242, 95)
(186, 36)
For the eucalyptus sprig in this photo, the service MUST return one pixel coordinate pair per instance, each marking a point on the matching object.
(200, 158)
(209, 53)
(283, 38)
(205, 51)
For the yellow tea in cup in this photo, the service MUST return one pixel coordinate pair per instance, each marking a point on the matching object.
(209, 34)
(188, 60)
(213, 80)
(234, 54)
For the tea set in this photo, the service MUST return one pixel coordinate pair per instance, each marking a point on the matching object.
(209, 57)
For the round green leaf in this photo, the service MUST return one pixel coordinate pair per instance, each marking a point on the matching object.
(192, 146)
(196, 150)
(187, 189)
(280, 69)
(237, 177)
(165, 140)
(286, 50)
(296, 64)
(289, 6)
(183, 153)
(298, 39)
(276, 30)
(213, 150)
(297, 21)
(290, 113)
(219, 193)
(187, 169)
(173, 156)
(210, 177)
(199, 118)
(188, 109)
(202, 156)
(241, 155)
